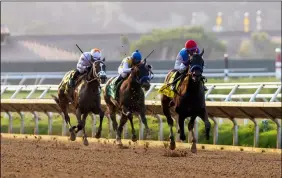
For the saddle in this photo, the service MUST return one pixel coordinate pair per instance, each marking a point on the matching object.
(166, 88)
(113, 90)
(64, 85)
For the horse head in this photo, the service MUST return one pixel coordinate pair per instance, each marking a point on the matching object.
(143, 74)
(99, 70)
(196, 66)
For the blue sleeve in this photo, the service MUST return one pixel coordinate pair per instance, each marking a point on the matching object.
(184, 56)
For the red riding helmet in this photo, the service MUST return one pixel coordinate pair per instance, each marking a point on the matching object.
(191, 45)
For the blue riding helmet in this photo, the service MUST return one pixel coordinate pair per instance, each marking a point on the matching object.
(136, 56)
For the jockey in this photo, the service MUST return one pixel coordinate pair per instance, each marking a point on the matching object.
(182, 59)
(85, 63)
(126, 65)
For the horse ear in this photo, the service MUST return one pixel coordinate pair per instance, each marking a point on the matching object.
(202, 52)
(104, 59)
(149, 66)
(145, 61)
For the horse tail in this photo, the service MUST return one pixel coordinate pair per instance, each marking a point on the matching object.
(56, 99)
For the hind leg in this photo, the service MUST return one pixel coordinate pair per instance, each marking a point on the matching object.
(144, 121)
(165, 106)
(191, 130)
(101, 114)
(63, 103)
(83, 121)
(123, 121)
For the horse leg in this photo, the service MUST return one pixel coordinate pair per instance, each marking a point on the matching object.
(85, 141)
(144, 121)
(181, 119)
(134, 137)
(63, 104)
(123, 120)
(79, 122)
(165, 105)
(204, 116)
(191, 129)
(113, 118)
(101, 114)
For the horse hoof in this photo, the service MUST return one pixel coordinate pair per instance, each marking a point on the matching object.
(98, 135)
(119, 143)
(72, 136)
(134, 138)
(194, 148)
(85, 142)
(182, 137)
(172, 145)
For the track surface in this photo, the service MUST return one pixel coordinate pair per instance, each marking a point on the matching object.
(38, 158)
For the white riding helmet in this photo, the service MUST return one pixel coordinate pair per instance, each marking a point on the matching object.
(96, 54)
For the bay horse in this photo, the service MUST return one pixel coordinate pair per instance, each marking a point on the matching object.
(188, 102)
(130, 99)
(87, 99)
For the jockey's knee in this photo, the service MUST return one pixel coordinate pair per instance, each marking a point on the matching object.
(123, 75)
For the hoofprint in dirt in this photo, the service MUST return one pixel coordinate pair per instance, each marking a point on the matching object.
(21, 157)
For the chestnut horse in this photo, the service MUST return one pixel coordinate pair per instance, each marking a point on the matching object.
(130, 99)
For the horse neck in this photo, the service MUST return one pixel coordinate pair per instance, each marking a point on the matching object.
(90, 77)
(133, 83)
(193, 86)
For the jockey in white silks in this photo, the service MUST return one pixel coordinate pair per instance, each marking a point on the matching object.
(85, 63)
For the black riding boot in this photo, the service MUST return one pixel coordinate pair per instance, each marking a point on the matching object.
(73, 79)
(173, 85)
(118, 80)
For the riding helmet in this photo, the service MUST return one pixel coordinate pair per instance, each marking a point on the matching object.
(136, 56)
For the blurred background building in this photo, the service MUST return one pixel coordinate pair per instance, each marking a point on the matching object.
(43, 32)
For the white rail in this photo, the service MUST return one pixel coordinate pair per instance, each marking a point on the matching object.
(232, 88)
(212, 87)
(39, 77)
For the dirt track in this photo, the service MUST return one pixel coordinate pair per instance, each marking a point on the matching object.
(36, 159)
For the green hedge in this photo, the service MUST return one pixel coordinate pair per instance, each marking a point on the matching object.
(174, 39)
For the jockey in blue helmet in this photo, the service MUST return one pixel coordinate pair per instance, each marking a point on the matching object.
(127, 63)
(182, 59)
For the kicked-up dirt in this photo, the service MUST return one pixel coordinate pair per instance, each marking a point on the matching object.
(38, 159)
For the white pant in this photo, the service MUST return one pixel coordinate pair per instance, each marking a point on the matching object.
(121, 73)
(81, 68)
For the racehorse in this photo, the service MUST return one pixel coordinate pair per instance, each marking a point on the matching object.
(130, 99)
(87, 99)
(189, 101)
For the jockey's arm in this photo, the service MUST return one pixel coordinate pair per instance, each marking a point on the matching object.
(126, 68)
(179, 65)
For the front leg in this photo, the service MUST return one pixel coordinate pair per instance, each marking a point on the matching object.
(144, 121)
(181, 119)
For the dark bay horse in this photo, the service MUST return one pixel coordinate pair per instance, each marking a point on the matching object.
(87, 99)
(130, 100)
(188, 102)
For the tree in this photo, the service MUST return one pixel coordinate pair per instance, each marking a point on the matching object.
(168, 42)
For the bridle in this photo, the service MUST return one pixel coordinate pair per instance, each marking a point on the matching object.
(143, 78)
(95, 74)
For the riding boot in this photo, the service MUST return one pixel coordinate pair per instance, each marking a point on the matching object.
(173, 85)
(73, 79)
(72, 85)
(120, 78)
(205, 88)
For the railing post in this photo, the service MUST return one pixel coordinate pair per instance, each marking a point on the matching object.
(256, 132)
(93, 116)
(50, 122)
(141, 129)
(235, 131)
(215, 131)
(161, 136)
